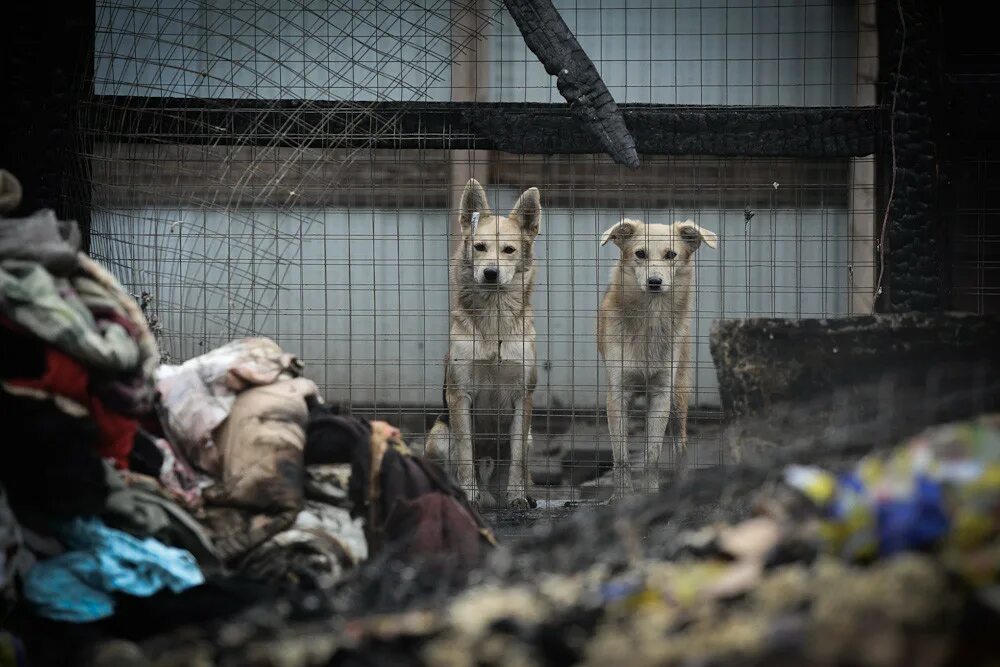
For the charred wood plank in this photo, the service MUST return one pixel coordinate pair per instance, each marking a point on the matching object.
(577, 79)
(545, 129)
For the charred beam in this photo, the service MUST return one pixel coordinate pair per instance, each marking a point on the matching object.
(544, 129)
(577, 79)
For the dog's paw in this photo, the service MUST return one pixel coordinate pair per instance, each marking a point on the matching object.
(484, 501)
(519, 503)
(617, 496)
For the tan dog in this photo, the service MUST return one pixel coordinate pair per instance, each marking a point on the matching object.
(643, 335)
(490, 373)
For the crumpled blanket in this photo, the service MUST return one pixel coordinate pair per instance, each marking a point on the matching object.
(323, 543)
(131, 393)
(260, 474)
(77, 585)
(197, 396)
(52, 310)
(137, 505)
(67, 378)
(40, 237)
(410, 505)
(331, 437)
(156, 457)
(44, 239)
(328, 484)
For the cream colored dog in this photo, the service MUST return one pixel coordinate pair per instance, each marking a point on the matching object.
(643, 335)
(490, 372)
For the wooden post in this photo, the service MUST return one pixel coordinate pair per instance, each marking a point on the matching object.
(862, 174)
(469, 83)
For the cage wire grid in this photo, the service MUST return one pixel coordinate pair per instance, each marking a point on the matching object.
(338, 248)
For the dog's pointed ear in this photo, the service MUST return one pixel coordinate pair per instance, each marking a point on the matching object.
(693, 235)
(620, 232)
(527, 212)
(473, 201)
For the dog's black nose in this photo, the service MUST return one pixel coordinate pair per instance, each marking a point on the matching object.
(490, 275)
(654, 283)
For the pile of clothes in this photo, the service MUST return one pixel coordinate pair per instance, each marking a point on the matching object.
(137, 496)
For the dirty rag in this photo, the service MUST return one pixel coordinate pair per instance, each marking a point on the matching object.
(51, 309)
(197, 396)
(315, 552)
(260, 472)
(136, 505)
(390, 487)
(77, 586)
(41, 238)
(67, 378)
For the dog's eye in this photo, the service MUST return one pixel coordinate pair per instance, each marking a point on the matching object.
(508, 249)
(480, 247)
(640, 254)
(670, 254)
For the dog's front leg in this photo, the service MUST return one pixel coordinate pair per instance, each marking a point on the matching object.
(460, 410)
(618, 428)
(520, 439)
(657, 415)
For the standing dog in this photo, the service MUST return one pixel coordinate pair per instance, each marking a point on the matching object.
(490, 373)
(643, 335)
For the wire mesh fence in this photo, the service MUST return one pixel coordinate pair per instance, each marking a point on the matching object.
(298, 223)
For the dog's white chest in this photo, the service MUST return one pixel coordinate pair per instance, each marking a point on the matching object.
(495, 351)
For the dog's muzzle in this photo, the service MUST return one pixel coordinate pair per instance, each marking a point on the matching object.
(654, 284)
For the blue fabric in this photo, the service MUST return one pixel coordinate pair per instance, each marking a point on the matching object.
(916, 522)
(616, 590)
(76, 586)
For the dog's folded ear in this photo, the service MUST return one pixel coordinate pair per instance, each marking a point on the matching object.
(693, 234)
(527, 212)
(621, 232)
(473, 201)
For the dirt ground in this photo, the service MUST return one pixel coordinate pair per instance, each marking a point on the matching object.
(571, 458)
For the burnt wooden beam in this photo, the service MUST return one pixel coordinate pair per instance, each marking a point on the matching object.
(577, 79)
(544, 129)
(911, 249)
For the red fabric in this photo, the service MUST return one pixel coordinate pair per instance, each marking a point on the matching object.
(434, 524)
(66, 377)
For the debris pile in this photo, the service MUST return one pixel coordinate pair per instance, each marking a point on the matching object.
(891, 562)
(138, 497)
